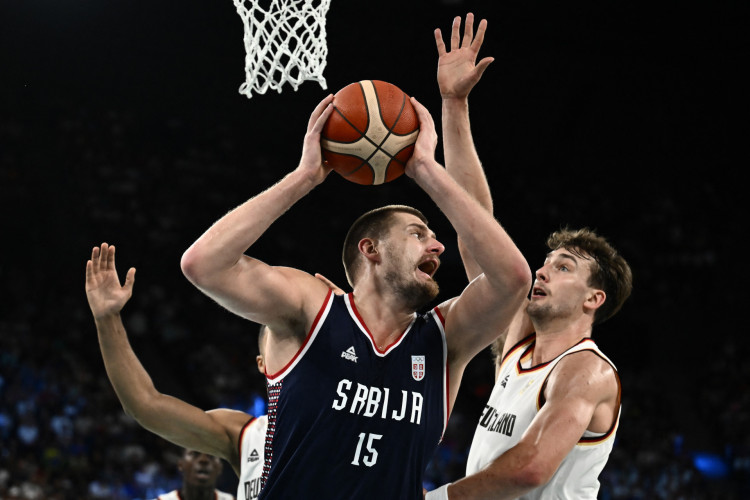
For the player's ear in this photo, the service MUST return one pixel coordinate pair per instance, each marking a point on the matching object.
(594, 300)
(261, 364)
(368, 247)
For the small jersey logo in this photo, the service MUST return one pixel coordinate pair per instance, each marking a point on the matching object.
(417, 367)
(349, 354)
(253, 457)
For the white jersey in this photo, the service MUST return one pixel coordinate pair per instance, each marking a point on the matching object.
(252, 444)
(175, 495)
(513, 404)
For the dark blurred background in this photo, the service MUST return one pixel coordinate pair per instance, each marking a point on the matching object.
(122, 122)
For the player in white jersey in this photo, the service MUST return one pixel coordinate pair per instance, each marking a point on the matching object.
(232, 435)
(515, 402)
(176, 495)
(199, 475)
(549, 425)
(252, 442)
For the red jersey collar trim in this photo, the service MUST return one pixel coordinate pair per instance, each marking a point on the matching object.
(355, 311)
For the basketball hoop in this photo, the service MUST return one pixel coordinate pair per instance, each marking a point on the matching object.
(284, 42)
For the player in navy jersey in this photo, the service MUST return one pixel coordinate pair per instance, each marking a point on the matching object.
(360, 385)
(232, 435)
(550, 422)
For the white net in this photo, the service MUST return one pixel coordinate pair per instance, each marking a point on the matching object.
(285, 41)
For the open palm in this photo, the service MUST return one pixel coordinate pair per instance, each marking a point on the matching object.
(458, 70)
(105, 294)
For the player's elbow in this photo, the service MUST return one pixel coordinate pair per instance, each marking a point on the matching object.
(522, 276)
(527, 468)
(533, 475)
(518, 279)
(193, 265)
(144, 412)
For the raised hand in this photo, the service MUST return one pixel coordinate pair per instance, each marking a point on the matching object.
(312, 158)
(424, 148)
(105, 294)
(458, 70)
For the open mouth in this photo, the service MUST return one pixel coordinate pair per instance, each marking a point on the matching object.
(428, 267)
(538, 292)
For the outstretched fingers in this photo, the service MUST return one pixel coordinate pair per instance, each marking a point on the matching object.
(320, 114)
(477, 41)
(95, 253)
(439, 42)
(468, 31)
(89, 270)
(129, 280)
(455, 33)
(110, 264)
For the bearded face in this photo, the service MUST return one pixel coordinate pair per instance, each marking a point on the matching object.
(401, 277)
(542, 313)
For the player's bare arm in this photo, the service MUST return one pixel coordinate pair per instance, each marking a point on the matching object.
(458, 73)
(520, 328)
(215, 433)
(498, 292)
(582, 393)
(283, 298)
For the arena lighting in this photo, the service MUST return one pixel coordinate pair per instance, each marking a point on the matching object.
(711, 465)
(258, 407)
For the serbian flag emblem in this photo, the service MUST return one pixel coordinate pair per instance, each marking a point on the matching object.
(417, 367)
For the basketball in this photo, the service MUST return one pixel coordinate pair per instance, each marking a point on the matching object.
(370, 135)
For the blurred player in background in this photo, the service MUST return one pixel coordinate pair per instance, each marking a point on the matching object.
(233, 435)
(200, 472)
(359, 392)
(549, 425)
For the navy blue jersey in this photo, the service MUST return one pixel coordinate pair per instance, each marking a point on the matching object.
(346, 420)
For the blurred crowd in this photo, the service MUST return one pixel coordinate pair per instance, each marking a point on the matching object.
(104, 175)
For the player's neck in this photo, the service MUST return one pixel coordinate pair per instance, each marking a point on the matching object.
(554, 338)
(381, 317)
(188, 492)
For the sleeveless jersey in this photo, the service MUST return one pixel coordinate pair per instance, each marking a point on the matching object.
(347, 420)
(175, 495)
(513, 404)
(252, 442)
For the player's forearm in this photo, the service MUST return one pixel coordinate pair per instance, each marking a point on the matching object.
(462, 163)
(461, 158)
(224, 243)
(511, 475)
(131, 382)
(166, 416)
(491, 247)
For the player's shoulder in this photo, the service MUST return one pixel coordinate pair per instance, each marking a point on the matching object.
(586, 358)
(255, 425)
(444, 308)
(585, 369)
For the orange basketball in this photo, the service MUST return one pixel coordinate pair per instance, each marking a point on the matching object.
(370, 135)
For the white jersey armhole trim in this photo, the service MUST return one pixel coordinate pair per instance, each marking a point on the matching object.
(446, 384)
(325, 309)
